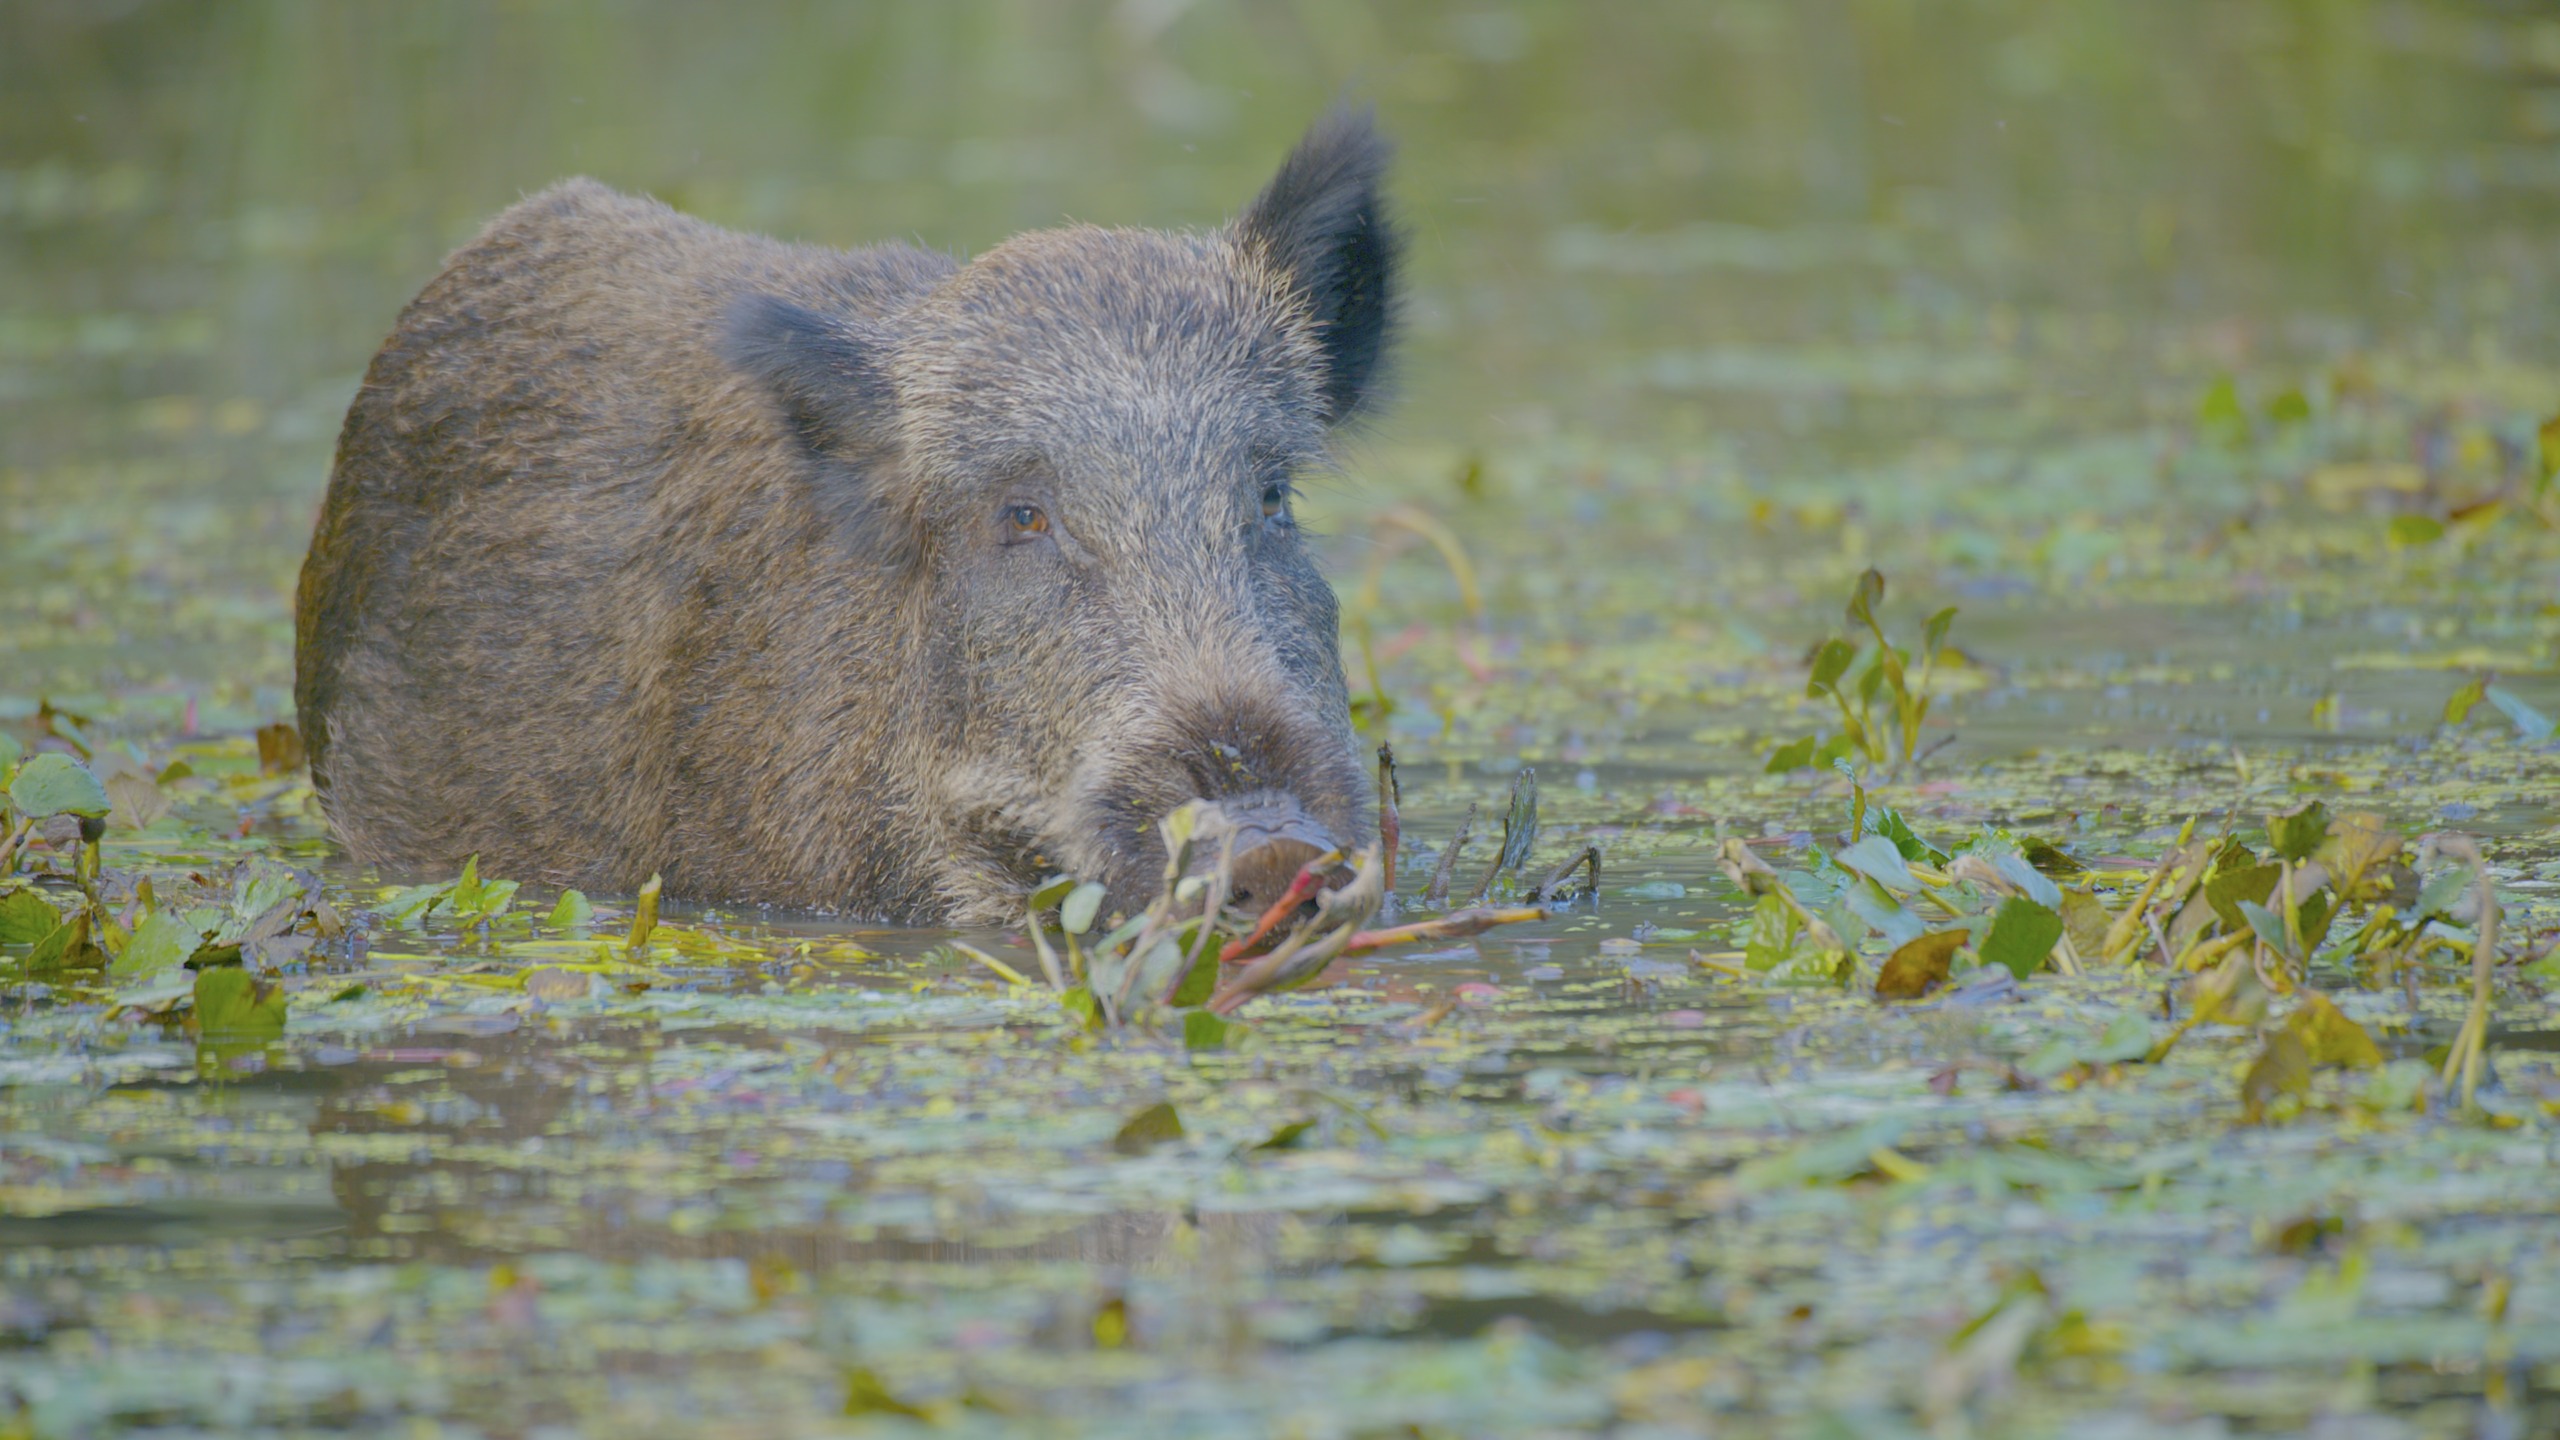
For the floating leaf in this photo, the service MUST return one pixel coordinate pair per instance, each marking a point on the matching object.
(1919, 966)
(2440, 896)
(137, 802)
(1153, 1126)
(1080, 1005)
(1287, 1136)
(265, 898)
(2021, 936)
(2127, 1037)
(280, 748)
(1884, 820)
(2296, 833)
(1890, 921)
(1834, 1158)
(1050, 892)
(1076, 913)
(67, 947)
(1198, 984)
(2406, 531)
(2049, 858)
(574, 912)
(410, 907)
(27, 917)
(2220, 418)
(2530, 723)
(2086, 921)
(2282, 1068)
(2228, 994)
(475, 901)
(1158, 969)
(2269, 927)
(2399, 1086)
(231, 1005)
(1204, 1031)
(55, 784)
(2031, 882)
(554, 982)
(2225, 891)
(1880, 860)
(1797, 755)
(2457, 706)
(865, 1393)
(2358, 844)
(163, 941)
(1771, 936)
(2330, 1038)
(1111, 1324)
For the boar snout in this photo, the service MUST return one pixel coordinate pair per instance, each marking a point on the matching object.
(1271, 836)
(1286, 793)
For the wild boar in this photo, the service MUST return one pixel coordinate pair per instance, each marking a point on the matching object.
(864, 580)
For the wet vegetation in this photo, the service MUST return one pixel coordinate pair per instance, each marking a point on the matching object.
(1963, 601)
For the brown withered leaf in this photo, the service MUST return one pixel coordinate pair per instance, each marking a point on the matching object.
(2282, 1068)
(2360, 847)
(2329, 1037)
(2228, 994)
(2086, 921)
(1918, 966)
(279, 748)
(550, 982)
(138, 802)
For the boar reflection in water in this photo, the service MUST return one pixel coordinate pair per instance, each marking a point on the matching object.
(861, 579)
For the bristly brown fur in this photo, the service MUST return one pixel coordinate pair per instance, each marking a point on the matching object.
(655, 547)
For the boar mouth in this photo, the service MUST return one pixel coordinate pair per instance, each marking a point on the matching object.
(1271, 837)
(1264, 838)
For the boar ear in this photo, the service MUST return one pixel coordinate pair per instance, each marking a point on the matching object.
(1321, 219)
(824, 371)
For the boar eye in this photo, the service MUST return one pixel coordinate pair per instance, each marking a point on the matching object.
(1021, 522)
(1275, 500)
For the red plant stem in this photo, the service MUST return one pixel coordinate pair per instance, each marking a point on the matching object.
(1310, 880)
(1448, 927)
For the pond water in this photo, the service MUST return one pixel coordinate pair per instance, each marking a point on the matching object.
(2196, 352)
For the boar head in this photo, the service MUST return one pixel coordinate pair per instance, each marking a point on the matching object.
(1078, 455)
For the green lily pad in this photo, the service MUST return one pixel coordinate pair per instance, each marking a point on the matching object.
(55, 784)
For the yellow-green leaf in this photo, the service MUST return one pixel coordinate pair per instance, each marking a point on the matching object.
(1147, 1129)
(2330, 1038)
(2021, 936)
(162, 941)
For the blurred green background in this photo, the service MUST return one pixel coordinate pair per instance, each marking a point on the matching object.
(1774, 241)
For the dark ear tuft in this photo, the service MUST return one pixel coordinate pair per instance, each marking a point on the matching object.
(1323, 221)
(824, 372)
